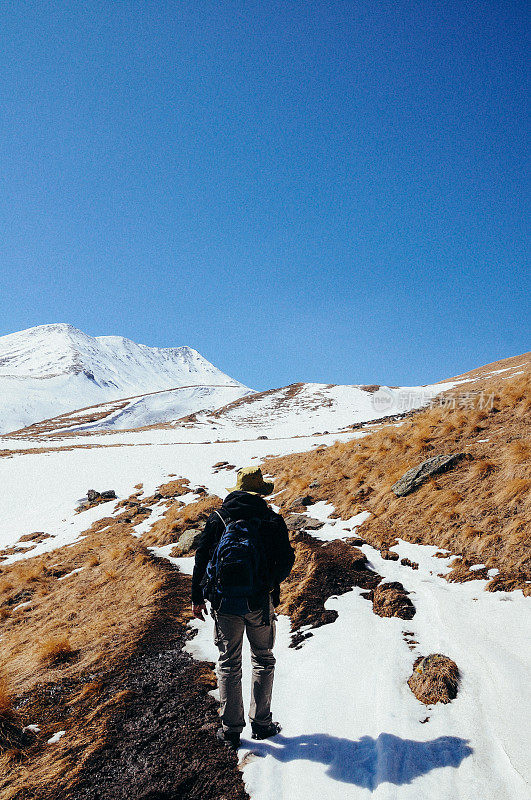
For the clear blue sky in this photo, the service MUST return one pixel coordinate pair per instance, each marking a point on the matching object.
(322, 191)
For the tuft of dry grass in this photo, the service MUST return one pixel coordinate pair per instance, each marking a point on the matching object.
(391, 600)
(55, 650)
(435, 679)
(480, 469)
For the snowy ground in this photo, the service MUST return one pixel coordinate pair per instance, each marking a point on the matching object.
(351, 727)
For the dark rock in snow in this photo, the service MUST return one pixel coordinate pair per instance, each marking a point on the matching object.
(416, 476)
(389, 555)
(355, 541)
(302, 501)
(93, 495)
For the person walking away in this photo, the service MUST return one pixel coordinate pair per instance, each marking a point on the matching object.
(243, 556)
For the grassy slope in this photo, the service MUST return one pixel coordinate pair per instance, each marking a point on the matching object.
(480, 509)
(65, 656)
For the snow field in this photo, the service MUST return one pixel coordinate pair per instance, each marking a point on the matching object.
(351, 726)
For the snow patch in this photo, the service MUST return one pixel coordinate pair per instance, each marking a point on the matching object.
(55, 738)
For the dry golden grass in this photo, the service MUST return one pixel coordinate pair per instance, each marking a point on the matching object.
(6, 703)
(55, 650)
(179, 518)
(480, 509)
(84, 613)
(435, 679)
(83, 625)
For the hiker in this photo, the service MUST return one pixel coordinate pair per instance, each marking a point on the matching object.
(243, 555)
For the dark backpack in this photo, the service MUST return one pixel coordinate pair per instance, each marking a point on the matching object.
(238, 568)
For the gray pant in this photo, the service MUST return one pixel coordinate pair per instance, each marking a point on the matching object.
(228, 637)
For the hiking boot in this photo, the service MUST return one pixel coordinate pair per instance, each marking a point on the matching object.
(265, 731)
(229, 739)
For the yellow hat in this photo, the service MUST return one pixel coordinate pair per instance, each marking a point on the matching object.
(250, 480)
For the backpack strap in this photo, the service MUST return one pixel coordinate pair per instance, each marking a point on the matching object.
(221, 518)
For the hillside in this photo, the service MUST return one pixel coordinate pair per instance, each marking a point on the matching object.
(53, 369)
(100, 658)
(478, 511)
(300, 409)
(296, 410)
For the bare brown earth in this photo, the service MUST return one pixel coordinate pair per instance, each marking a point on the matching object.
(321, 570)
(479, 510)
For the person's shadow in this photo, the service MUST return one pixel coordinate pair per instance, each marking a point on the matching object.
(368, 762)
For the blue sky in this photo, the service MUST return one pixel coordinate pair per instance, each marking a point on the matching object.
(321, 191)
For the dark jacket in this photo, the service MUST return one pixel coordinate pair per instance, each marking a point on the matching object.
(242, 505)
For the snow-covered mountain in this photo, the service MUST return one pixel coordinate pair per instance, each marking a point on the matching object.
(302, 409)
(53, 369)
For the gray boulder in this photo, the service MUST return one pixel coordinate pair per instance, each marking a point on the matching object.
(300, 522)
(93, 495)
(189, 540)
(416, 476)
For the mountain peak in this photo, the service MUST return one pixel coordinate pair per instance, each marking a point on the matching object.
(69, 369)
